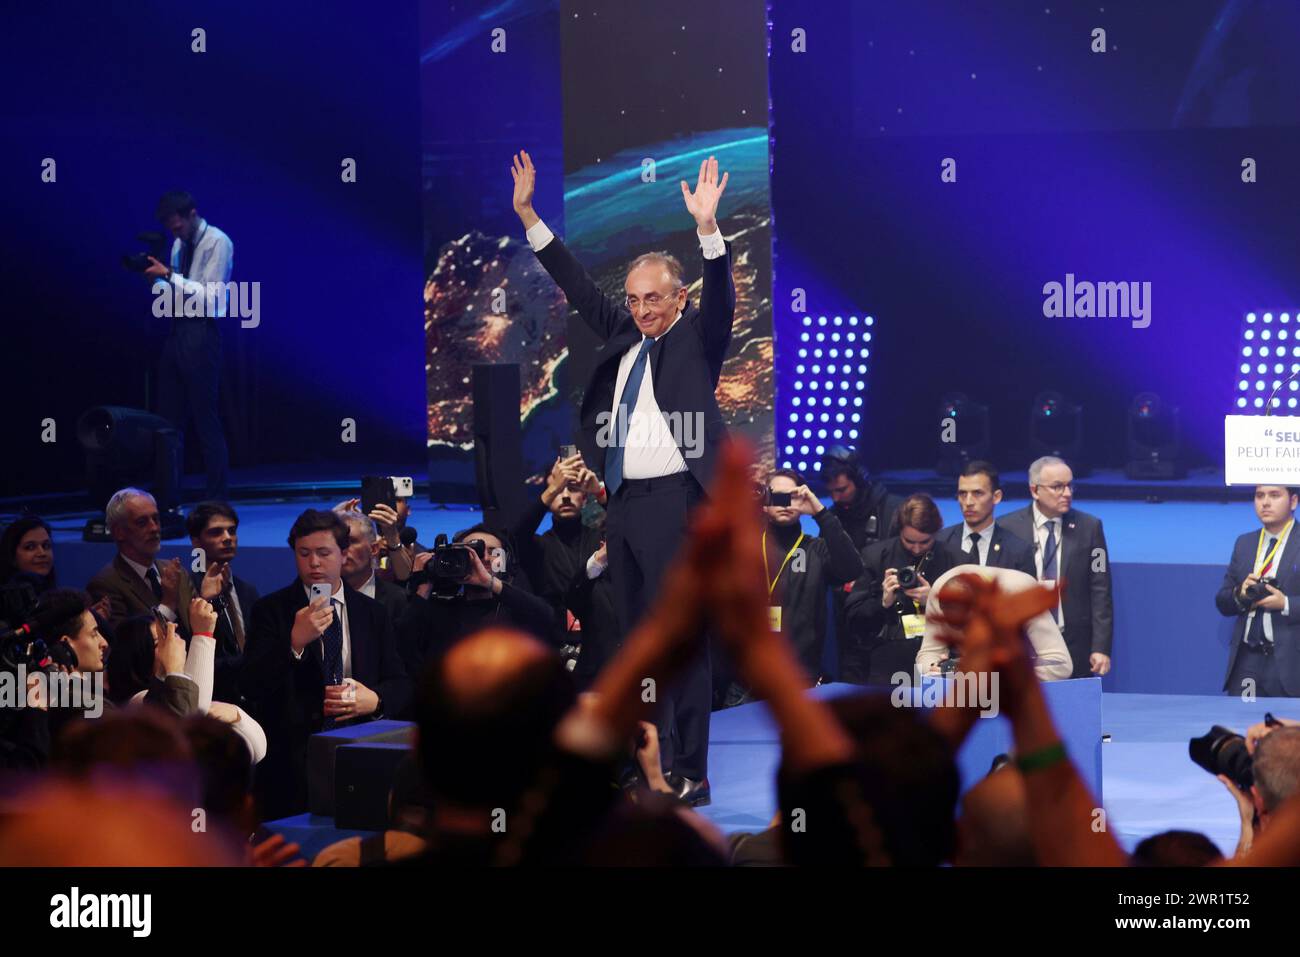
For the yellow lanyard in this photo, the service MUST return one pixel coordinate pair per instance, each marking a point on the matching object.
(1273, 551)
(771, 582)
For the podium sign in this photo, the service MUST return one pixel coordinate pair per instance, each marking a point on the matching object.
(1261, 450)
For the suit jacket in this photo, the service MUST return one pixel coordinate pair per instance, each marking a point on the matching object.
(127, 592)
(286, 694)
(225, 683)
(685, 363)
(1005, 551)
(394, 599)
(1088, 622)
(1286, 628)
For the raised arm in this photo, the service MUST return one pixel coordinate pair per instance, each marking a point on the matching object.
(718, 294)
(599, 311)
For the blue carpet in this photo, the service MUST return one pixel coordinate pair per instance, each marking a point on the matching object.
(1149, 782)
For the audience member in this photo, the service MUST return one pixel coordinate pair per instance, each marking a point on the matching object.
(214, 528)
(135, 581)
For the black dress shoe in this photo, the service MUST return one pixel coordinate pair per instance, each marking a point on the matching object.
(693, 792)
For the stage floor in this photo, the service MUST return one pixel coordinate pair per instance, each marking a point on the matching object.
(1149, 783)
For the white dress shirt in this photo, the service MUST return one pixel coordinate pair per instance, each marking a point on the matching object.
(1041, 522)
(651, 449)
(368, 589)
(1052, 661)
(341, 610)
(1259, 562)
(214, 255)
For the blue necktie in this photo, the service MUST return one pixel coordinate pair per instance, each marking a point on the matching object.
(333, 639)
(626, 405)
(1049, 563)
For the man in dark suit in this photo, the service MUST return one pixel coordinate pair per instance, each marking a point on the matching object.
(360, 561)
(978, 538)
(1069, 544)
(312, 665)
(650, 421)
(214, 528)
(1264, 657)
(135, 581)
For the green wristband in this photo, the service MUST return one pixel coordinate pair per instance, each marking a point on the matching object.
(1042, 758)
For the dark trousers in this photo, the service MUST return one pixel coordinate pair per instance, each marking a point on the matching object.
(888, 658)
(645, 528)
(1257, 665)
(188, 379)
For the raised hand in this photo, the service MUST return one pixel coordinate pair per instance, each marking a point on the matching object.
(703, 203)
(203, 617)
(525, 177)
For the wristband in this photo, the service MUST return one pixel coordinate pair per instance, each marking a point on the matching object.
(202, 634)
(1042, 758)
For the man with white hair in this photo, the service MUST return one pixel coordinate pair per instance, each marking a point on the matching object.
(1070, 545)
(1051, 657)
(135, 581)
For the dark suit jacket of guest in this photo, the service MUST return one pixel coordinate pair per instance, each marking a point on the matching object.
(286, 694)
(225, 684)
(1005, 551)
(685, 362)
(1286, 628)
(127, 592)
(1089, 611)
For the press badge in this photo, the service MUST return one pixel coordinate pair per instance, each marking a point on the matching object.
(913, 626)
(774, 617)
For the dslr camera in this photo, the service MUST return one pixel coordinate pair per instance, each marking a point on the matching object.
(908, 578)
(1259, 590)
(1223, 751)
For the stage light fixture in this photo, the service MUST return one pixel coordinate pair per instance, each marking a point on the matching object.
(1056, 428)
(131, 447)
(1154, 433)
(967, 423)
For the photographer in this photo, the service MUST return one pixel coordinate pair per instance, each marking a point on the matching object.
(190, 370)
(1275, 763)
(885, 611)
(556, 561)
(447, 608)
(1264, 657)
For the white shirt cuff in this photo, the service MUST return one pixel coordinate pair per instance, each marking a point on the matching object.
(713, 245)
(1286, 607)
(595, 567)
(539, 235)
(166, 612)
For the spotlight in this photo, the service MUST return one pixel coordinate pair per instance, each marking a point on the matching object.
(1154, 439)
(1056, 428)
(130, 447)
(963, 433)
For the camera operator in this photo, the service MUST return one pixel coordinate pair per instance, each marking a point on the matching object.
(865, 509)
(1264, 656)
(445, 609)
(885, 611)
(1275, 764)
(190, 370)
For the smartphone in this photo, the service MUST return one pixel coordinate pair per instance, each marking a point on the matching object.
(320, 590)
(568, 451)
(403, 486)
(778, 499)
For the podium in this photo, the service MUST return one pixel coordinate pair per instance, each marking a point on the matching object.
(1261, 450)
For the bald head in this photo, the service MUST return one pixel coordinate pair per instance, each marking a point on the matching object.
(487, 711)
(993, 830)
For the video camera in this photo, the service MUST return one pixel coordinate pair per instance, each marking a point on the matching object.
(139, 262)
(450, 563)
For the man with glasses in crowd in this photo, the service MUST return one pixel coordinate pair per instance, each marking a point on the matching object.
(1069, 544)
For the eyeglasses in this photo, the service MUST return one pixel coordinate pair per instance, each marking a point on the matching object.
(652, 301)
(1060, 488)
